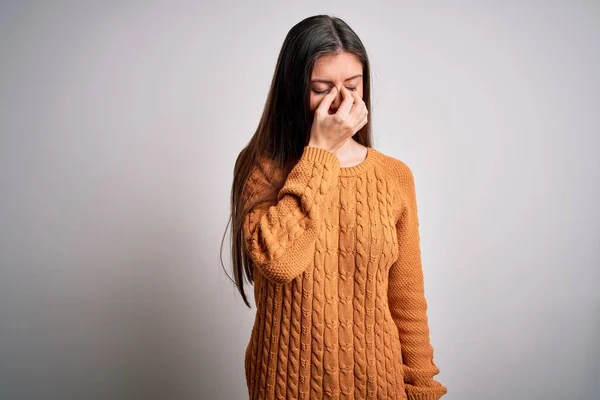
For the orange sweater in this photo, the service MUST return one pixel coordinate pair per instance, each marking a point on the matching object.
(338, 284)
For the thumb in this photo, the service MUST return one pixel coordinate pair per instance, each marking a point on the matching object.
(327, 100)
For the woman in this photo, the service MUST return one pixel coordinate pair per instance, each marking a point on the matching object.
(326, 228)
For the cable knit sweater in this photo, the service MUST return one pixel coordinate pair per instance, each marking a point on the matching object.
(338, 283)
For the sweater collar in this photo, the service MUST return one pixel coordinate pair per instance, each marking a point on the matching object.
(363, 166)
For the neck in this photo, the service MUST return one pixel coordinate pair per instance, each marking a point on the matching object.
(346, 150)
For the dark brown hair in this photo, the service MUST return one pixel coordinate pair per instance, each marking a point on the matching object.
(284, 128)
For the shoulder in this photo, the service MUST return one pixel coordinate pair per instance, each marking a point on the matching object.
(401, 181)
(398, 169)
(263, 176)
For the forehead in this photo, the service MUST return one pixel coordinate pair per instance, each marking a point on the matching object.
(337, 66)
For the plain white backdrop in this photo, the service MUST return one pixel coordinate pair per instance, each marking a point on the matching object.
(119, 126)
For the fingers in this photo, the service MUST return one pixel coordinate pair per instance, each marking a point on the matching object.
(327, 100)
(344, 108)
(358, 103)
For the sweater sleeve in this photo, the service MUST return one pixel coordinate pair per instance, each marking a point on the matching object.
(280, 237)
(407, 301)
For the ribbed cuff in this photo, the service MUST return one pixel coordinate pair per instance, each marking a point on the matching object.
(320, 155)
(423, 396)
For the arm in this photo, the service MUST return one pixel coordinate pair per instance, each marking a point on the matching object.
(280, 238)
(407, 301)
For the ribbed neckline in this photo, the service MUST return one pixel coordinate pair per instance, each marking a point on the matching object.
(363, 166)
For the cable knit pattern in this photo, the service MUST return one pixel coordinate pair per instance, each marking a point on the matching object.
(338, 283)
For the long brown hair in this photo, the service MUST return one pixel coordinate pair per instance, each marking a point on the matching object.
(284, 128)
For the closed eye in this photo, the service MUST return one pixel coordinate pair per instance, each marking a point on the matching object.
(325, 91)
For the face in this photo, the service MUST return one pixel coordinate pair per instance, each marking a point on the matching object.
(343, 69)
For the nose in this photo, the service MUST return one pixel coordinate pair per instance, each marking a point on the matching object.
(336, 102)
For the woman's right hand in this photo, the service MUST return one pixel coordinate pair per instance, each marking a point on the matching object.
(330, 131)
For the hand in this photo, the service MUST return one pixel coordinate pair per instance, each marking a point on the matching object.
(331, 131)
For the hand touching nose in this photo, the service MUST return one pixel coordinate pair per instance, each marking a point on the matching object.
(335, 104)
(330, 131)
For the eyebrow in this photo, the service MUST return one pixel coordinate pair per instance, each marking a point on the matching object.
(326, 81)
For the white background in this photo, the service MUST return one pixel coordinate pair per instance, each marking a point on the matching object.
(120, 123)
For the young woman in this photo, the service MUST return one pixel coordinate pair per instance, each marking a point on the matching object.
(326, 228)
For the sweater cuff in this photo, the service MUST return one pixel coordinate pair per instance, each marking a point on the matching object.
(423, 396)
(320, 155)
